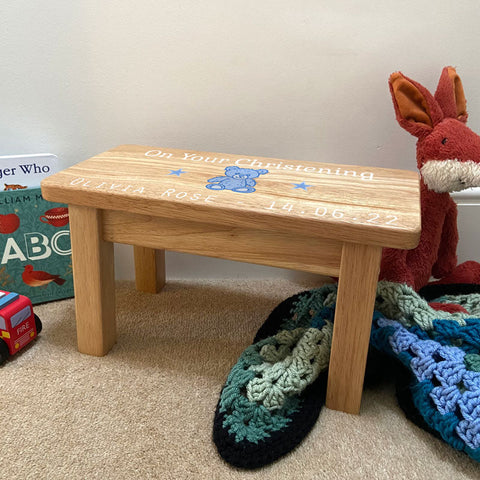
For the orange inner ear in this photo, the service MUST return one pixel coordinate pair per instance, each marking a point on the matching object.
(458, 93)
(410, 101)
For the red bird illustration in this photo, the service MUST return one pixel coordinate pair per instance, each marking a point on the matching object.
(38, 278)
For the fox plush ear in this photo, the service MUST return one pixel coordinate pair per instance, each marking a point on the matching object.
(416, 109)
(450, 95)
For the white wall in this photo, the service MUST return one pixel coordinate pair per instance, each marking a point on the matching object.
(296, 79)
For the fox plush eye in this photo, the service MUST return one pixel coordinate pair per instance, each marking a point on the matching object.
(445, 140)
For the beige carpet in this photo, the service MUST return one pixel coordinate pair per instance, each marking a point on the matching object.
(146, 409)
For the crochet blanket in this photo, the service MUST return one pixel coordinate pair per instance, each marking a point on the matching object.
(274, 393)
(445, 379)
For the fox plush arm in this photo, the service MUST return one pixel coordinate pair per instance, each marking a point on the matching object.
(447, 257)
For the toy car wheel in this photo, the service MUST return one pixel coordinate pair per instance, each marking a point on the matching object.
(4, 353)
(38, 324)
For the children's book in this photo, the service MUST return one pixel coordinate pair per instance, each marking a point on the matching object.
(35, 251)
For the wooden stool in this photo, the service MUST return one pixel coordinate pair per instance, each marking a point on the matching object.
(315, 217)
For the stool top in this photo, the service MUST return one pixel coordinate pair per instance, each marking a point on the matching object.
(357, 204)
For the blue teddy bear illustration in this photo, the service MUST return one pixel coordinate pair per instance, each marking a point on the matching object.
(236, 179)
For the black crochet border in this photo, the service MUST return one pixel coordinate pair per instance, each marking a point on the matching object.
(250, 456)
(431, 292)
(247, 455)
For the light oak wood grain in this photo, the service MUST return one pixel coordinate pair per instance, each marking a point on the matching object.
(94, 282)
(316, 217)
(149, 268)
(351, 329)
(383, 211)
(277, 249)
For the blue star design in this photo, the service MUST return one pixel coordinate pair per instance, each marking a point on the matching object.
(176, 172)
(302, 185)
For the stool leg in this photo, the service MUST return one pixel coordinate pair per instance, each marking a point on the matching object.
(357, 285)
(94, 281)
(149, 269)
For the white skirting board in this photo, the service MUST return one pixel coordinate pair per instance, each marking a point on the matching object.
(468, 203)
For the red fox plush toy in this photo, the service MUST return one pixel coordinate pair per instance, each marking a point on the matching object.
(448, 157)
